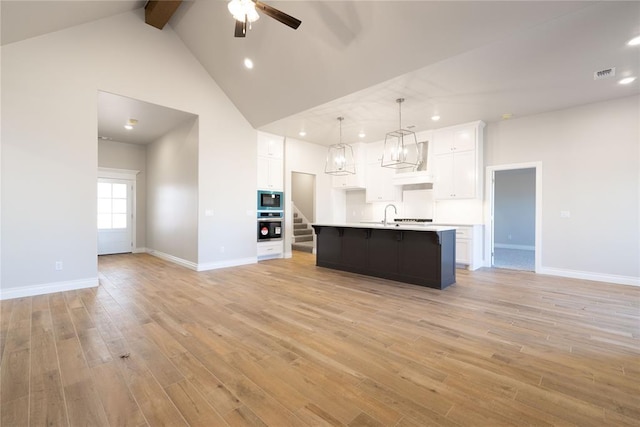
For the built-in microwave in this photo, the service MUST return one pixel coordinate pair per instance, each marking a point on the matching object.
(270, 200)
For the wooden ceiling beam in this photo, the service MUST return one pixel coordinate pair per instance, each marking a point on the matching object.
(158, 12)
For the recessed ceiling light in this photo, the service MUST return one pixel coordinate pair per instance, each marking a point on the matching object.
(634, 41)
(626, 80)
(362, 135)
(302, 133)
(248, 63)
(435, 117)
(130, 124)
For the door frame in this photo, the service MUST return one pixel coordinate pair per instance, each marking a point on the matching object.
(127, 175)
(489, 210)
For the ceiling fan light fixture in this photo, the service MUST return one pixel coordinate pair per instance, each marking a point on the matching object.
(243, 10)
(340, 158)
(400, 146)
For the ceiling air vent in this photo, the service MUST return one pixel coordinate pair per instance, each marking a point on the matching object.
(604, 74)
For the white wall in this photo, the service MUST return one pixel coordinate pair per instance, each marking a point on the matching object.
(591, 168)
(49, 154)
(172, 196)
(121, 155)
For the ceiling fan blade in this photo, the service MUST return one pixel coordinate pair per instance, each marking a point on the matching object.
(241, 28)
(278, 15)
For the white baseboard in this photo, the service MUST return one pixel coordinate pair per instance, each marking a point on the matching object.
(140, 250)
(509, 246)
(47, 288)
(205, 266)
(586, 275)
(227, 263)
(174, 259)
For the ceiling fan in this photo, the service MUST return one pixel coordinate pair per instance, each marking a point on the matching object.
(244, 12)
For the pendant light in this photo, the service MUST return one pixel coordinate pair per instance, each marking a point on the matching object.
(340, 160)
(400, 146)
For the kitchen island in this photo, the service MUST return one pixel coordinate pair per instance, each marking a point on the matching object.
(417, 254)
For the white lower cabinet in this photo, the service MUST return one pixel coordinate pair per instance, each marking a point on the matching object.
(469, 246)
(270, 249)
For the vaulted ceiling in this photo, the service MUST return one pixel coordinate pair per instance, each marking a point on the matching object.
(461, 60)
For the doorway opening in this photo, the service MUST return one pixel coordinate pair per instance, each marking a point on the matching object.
(514, 235)
(115, 216)
(303, 195)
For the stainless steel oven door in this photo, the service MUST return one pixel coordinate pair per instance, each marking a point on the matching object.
(269, 230)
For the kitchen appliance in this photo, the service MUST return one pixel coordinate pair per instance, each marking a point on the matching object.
(269, 229)
(413, 220)
(270, 200)
(270, 214)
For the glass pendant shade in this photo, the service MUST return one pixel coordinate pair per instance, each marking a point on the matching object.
(400, 147)
(340, 158)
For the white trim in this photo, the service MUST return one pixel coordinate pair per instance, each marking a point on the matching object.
(489, 190)
(227, 263)
(174, 259)
(509, 246)
(48, 288)
(202, 267)
(139, 250)
(587, 275)
(113, 173)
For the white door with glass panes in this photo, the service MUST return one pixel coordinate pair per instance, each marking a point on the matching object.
(115, 215)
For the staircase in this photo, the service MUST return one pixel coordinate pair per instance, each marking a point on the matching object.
(302, 235)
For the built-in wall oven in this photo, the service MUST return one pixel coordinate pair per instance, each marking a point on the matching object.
(269, 229)
(270, 215)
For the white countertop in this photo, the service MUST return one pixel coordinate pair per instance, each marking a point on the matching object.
(391, 226)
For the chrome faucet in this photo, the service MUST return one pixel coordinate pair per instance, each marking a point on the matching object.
(384, 222)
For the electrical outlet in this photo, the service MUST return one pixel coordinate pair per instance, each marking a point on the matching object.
(509, 237)
(565, 214)
(221, 249)
(58, 265)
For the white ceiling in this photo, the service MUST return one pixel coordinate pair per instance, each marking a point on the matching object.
(114, 111)
(462, 60)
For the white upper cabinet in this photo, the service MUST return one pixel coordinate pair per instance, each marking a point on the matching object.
(455, 139)
(270, 145)
(270, 162)
(353, 181)
(458, 161)
(270, 174)
(380, 187)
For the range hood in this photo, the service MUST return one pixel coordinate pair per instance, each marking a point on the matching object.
(421, 174)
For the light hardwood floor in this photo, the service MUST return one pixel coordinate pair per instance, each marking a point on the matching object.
(285, 343)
